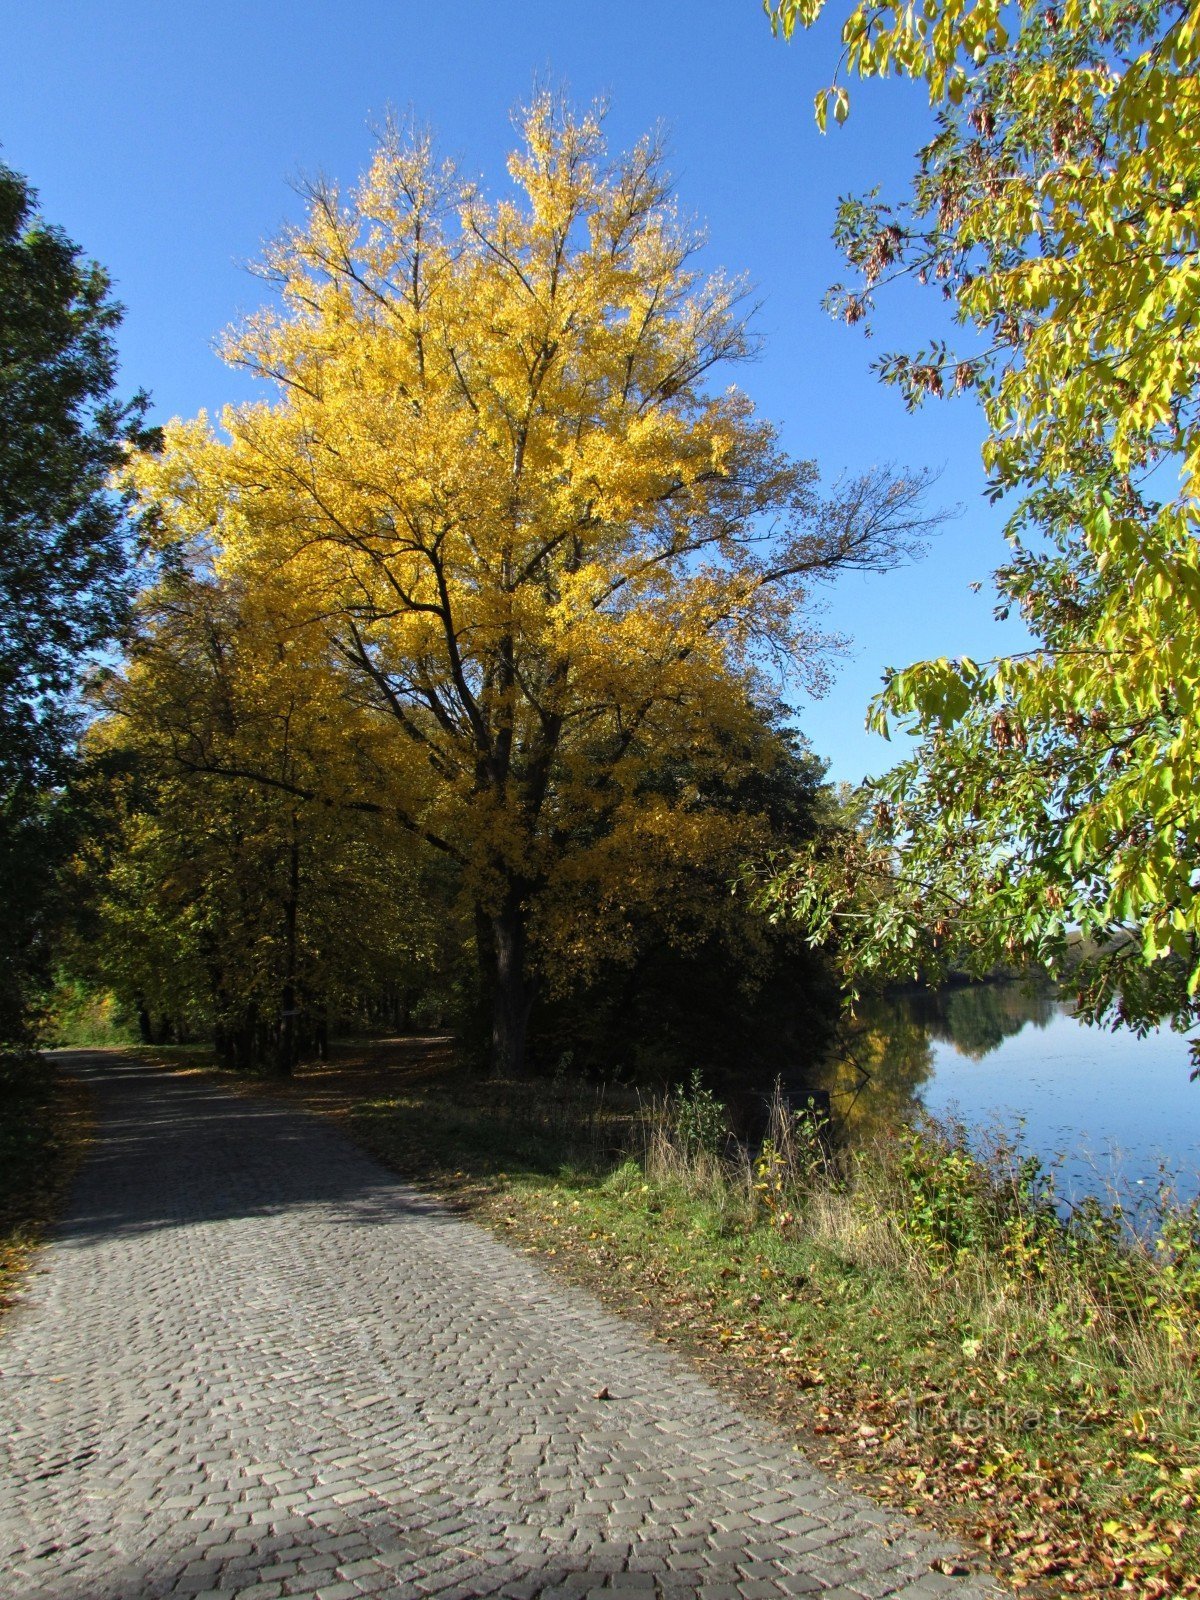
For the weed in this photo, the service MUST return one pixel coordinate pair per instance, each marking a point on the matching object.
(699, 1121)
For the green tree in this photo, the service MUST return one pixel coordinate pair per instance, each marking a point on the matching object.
(1051, 793)
(64, 554)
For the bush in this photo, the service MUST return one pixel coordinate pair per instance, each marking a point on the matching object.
(700, 1122)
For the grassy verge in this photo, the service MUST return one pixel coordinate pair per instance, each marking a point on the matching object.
(43, 1124)
(922, 1320)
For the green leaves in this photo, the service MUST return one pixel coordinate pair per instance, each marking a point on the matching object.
(836, 98)
(938, 691)
(1052, 796)
(65, 550)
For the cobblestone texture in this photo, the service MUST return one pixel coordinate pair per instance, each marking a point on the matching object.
(253, 1363)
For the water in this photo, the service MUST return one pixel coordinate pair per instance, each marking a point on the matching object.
(1112, 1112)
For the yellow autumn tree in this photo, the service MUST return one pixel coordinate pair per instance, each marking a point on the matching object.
(494, 493)
(218, 896)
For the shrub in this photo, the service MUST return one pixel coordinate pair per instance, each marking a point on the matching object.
(700, 1122)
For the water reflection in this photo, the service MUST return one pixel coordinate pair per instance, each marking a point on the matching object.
(1108, 1109)
(888, 1054)
(977, 1018)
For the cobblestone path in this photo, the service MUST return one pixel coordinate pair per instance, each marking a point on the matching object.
(253, 1363)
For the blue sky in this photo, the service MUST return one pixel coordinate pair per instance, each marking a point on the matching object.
(164, 137)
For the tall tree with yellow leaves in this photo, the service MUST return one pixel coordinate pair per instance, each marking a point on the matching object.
(494, 493)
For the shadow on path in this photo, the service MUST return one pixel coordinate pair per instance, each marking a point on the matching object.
(173, 1150)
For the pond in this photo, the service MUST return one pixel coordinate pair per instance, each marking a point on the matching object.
(1112, 1113)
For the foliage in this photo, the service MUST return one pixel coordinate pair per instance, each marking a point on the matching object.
(64, 554)
(82, 1014)
(529, 552)
(954, 1206)
(796, 1155)
(698, 1119)
(222, 905)
(1178, 1247)
(38, 829)
(1052, 793)
(690, 976)
(64, 550)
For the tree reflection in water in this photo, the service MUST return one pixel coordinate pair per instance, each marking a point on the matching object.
(873, 1081)
(886, 1056)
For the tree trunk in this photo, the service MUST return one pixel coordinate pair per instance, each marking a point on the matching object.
(289, 1015)
(512, 989)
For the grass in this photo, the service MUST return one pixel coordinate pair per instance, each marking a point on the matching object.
(43, 1124)
(923, 1320)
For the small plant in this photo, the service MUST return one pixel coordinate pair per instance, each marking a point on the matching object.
(946, 1194)
(1031, 1230)
(1177, 1248)
(624, 1179)
(700, 1122)
(793, 1159)
(1099, 1253)
(771, 1185)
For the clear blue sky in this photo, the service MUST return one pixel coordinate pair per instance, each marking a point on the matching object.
(162, 137)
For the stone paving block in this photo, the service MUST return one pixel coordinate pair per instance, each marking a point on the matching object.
(339, 1591)
(933, 1586)
(357, 1570)
(799, 1583)
(282, 1373)
(677, 1587)
(572, 1589)
(687, 1561)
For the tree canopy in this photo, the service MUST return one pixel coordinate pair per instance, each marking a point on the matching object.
(214, 903)
(64, 549)
(527, 551)
(1049, 810)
